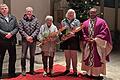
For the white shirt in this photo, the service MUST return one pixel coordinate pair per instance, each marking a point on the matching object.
(7, 19)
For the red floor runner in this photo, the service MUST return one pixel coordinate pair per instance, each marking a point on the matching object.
(58, 69)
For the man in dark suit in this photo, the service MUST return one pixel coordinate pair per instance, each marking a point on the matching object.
(8, 31)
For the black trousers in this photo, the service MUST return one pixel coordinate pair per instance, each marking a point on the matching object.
(32, 47)
(45, 62)
(11, 47)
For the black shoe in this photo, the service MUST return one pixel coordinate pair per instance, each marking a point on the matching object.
(87, 76)
(51, 74)
(66, 72)
(12, 75)
(0, 77)
(23, 73)
(75, 74)
(32, 72)
(98, 77)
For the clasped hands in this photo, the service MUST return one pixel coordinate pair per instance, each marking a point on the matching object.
(8, 36)
(29, 39)
(90, 40)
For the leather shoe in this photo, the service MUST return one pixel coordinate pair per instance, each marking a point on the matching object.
(32, 72)
(24, 73)
(12, 75)
(65, 73)
(51, 73)
(98, 77)
(75, 74)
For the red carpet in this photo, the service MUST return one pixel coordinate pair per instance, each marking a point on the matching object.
(57, 69)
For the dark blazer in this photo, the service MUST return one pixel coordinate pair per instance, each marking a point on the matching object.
(8, 27)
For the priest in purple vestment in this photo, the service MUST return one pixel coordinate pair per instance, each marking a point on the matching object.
(97, 44)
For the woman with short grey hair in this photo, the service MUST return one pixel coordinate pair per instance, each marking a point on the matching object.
(47, 47)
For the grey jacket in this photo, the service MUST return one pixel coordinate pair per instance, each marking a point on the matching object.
(8, 27)
(29, 27)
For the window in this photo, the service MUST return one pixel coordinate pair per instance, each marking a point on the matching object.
(109, 3)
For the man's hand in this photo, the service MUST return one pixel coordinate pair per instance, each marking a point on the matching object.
(29, 39)
(90, 40)
(8, 36)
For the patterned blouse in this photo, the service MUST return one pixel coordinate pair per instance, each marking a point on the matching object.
(49, 47)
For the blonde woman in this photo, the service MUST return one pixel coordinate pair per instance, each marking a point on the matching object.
(71, 45)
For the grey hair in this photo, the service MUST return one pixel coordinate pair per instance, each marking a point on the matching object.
(70, 10)
(2, 5)
(29, 8)
(49, 17)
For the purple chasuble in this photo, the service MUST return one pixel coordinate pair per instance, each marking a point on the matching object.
(101, 31)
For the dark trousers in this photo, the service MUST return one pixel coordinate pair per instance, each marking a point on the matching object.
(12, 56)
(45, 60)
(32, 47)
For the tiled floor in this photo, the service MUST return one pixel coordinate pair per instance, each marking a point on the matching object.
(113, 67)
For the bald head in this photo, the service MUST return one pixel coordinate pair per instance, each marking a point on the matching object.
(93, 10)
(93, 13)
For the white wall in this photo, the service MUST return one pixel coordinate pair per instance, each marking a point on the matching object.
(109, 16)
(1, 1)
(41, 8)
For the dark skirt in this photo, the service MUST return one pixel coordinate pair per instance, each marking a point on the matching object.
(70, 44)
